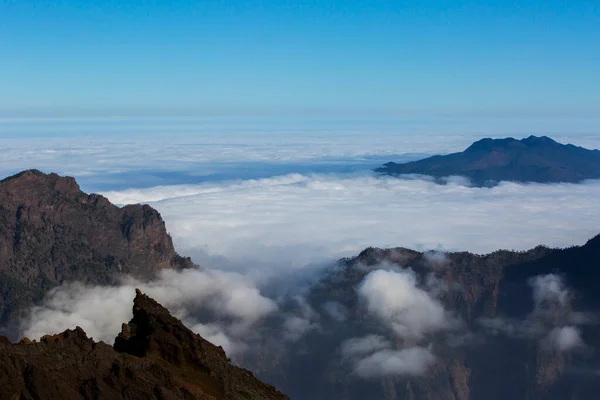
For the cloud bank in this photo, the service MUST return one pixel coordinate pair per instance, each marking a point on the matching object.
(105, 148)
(276, 224)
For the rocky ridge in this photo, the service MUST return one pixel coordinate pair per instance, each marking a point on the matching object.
(51, 232)
(154, 357)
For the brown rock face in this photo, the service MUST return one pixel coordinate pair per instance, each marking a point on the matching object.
(51, 232)
(155, 357)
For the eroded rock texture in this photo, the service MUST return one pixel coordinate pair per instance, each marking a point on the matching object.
(154, 357)
(51, 232)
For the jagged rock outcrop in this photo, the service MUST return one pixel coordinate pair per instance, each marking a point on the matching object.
(52, 232)
(488, 161)
(154, 357)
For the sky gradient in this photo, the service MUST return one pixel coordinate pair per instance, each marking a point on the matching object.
(83, 57)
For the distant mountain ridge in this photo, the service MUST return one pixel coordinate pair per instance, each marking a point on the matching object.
(52, 232)
(488, 161)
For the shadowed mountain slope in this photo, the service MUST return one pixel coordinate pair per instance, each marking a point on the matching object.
(507, 340)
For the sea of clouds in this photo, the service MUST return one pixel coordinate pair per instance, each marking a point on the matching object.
(294, 221)
(248, 234)
(254, 206)
(119, 153)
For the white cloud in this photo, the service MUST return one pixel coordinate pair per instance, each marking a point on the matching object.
(227, 295)
(272, 225)
(436, 259)
(548, 291)
(303, 320)
(234, 305)
(364, 345)
(552, 309)
(410, 312)
(564, 338)
(215, 334)
(388, 362)
(374, 356)
(264, 227)
(204, 145)
(199, 146)
(294, 327)
(395, 299)
(100, 311)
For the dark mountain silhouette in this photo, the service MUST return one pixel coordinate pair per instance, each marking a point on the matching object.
(51, 232)
(473, 362)
(154, 357)
(487, 161)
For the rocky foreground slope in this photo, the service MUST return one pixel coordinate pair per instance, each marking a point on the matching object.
(51, 232)
(154, 357)
(488, 161)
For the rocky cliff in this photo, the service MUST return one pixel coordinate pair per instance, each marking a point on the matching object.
(52, 232)
(154, 357)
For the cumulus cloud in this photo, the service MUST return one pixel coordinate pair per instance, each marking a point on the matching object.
(395, 299)
(564, 338)
(388, 362)
(364, 345)
(228, 295)
(221, 305)
(549, 291)
(374, 356)
(100, 311)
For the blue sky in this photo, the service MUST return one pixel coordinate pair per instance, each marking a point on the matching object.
(250, 57)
